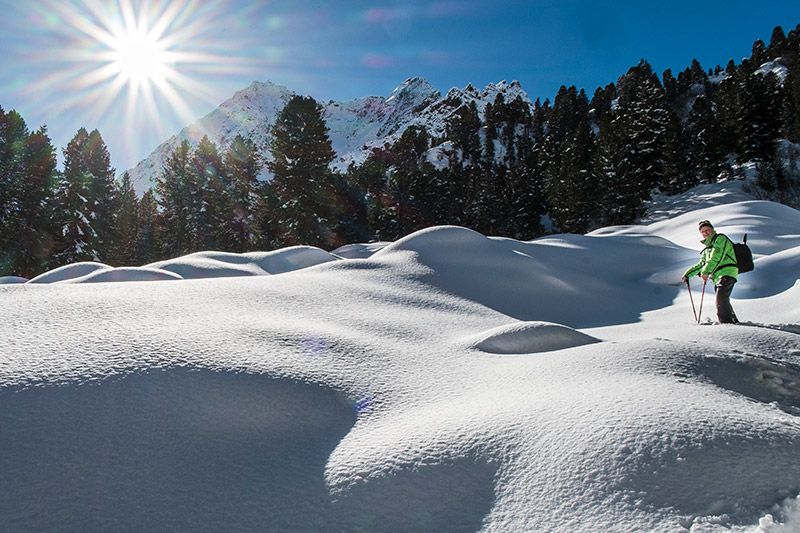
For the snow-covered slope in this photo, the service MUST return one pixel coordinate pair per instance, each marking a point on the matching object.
(355, 126)
(448, 382)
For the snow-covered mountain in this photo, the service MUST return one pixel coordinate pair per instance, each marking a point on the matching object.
(355, 126)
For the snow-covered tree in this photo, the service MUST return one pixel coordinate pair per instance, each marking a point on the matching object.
(301, 152)
(86, 201)
(27, 181)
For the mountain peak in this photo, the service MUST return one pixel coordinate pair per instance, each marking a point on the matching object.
(413, 89)
(356, 127)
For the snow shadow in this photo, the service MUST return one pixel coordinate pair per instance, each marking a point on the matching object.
(169, 450)
(776, 382)
(454, 495)
(198, 450)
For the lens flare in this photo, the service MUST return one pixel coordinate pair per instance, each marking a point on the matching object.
(146, 65)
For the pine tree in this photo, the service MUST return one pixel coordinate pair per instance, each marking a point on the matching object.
(301, 153)
(27, 182)
(148, 234)
(759, 55)
(463, 129)
(242, 166)
(126, 223)
(372, 177)
(759, 116)
(76, 205)
(777, 43)
(725, 102)
(209, 185)
(574, 192)
(792, 103)
(102, 191)
(178, 202)
(641, 127)
(705, 156)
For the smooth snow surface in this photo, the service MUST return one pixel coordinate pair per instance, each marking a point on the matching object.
(448, 382)
(8, 280)
(70, 272)
(223, 264)
(529, 337)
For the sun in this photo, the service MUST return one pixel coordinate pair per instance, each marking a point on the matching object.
(139, 57)
(143, 66)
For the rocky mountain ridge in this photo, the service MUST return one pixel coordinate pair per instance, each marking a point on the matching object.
(356, 126)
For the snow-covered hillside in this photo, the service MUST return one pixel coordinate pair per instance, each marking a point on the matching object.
(448, 381)
(355, 126)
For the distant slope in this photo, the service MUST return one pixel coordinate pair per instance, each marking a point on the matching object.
(355, 126)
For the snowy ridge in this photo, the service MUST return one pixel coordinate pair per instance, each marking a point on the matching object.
(447, 381)
(356, 126)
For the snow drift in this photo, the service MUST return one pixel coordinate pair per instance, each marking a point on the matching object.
(377, 394)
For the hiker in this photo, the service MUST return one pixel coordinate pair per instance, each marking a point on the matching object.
(718, 262)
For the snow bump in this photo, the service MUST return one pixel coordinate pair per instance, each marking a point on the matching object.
(529, 337)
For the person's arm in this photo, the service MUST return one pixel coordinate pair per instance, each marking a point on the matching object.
(692, 271)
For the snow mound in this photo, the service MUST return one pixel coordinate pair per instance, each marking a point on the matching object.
(773, 274)
(224, 264)
(529, 337)
(350, 396)
(70, 272)
(566, 279)
(359, 250)
(12, 280)
(770, 227)
(126, 274)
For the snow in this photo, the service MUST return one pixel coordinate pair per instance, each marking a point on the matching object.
(70, 272)
(223, 264)
(447, 381)
(7, 280)
(776, 67)
(356, 127)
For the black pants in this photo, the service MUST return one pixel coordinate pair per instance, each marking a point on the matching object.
(723, 289)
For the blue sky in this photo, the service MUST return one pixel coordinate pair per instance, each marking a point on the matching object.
(57, 65)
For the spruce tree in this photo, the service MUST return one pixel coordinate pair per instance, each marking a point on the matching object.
(148, 234)
(76, 205)
(27, 182)
(641, 127)
(777, 43)
(574, 192)
(127, 224)
(759, 116)
(301, 152)
(103, 192)
(792, 103)
(463, 129)
(209, 185)
(178, 202)
(705, 144)
(242, 166)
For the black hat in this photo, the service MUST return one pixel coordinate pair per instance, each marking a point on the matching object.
(704, 223)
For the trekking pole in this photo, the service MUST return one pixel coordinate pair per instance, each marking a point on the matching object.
(700, 313)
(692, 300)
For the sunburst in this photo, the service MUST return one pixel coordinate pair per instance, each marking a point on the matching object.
(148, 60)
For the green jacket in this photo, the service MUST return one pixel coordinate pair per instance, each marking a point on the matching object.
(717, 259)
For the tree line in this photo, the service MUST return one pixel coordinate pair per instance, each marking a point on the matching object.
(512, 169)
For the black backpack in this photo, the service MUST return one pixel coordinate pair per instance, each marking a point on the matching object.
(744, 257)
